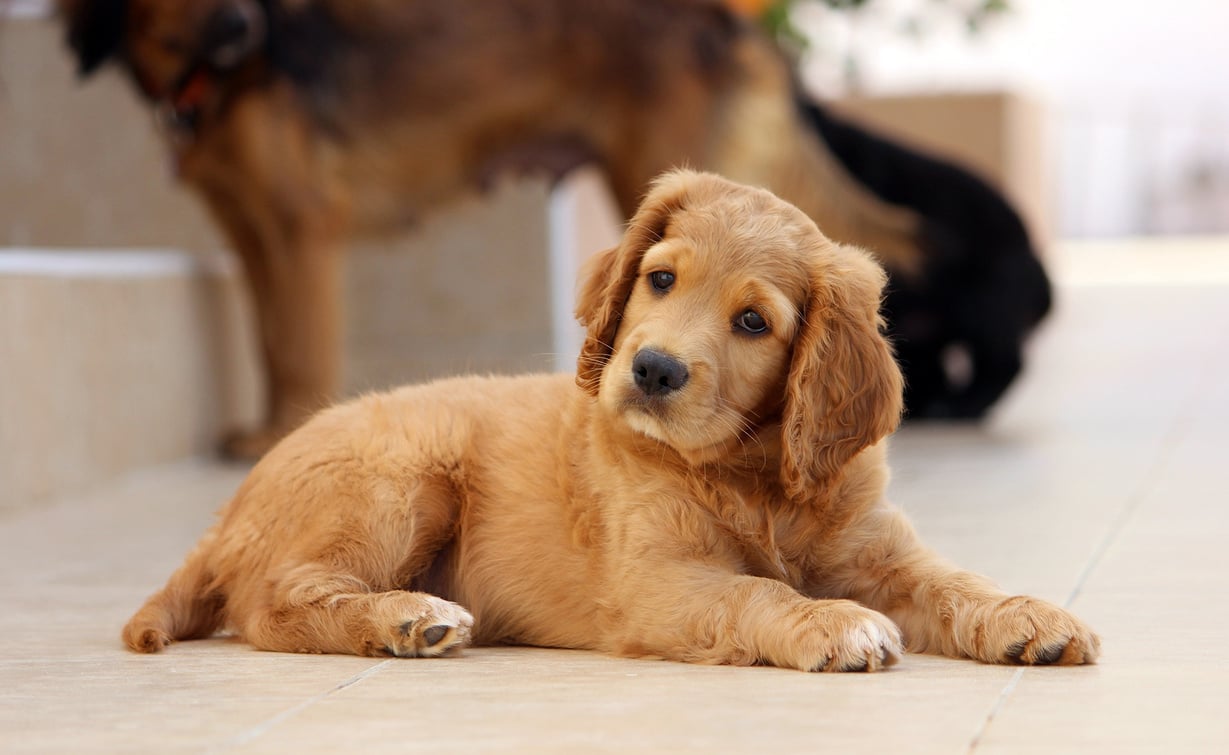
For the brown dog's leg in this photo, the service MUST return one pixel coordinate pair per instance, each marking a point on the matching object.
(260, 174)
(709, 616)
(945, 610)
(297, 299)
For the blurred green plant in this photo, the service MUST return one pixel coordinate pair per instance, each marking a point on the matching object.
(778, 16)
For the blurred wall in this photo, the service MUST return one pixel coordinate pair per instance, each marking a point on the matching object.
(1136, 95)
(81, 163)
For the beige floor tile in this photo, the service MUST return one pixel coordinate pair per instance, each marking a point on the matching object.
(116, 701)
(1157, 592)
(1117, 708)
(71, 575)
(522, 700)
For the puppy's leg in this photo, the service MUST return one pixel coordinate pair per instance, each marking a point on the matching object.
(316, 611)
(344, 578)
(713, 616)
(942, 609)
(186, 608)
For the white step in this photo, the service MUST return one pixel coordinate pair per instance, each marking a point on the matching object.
(114, 360)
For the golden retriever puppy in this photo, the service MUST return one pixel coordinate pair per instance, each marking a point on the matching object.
(708, 488)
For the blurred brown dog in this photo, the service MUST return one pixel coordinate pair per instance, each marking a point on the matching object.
(709, 488)
(302, 122)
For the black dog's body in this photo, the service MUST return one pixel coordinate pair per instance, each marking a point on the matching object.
(983, 289)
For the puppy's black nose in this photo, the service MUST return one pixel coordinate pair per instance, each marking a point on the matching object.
(657, 374)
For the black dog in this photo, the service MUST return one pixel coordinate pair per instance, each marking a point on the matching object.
(983, 288)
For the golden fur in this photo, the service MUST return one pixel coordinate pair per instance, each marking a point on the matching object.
(737, 516)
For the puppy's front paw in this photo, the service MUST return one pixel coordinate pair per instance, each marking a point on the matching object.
(433, 629)
(1023, 630)
(841, 635)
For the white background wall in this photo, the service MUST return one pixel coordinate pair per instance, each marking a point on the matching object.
(1138, 94)
(25, 8)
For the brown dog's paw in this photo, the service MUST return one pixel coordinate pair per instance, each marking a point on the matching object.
(845, 636)
(1031, 632)
(435, 628)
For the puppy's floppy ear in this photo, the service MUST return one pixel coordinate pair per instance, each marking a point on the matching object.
(608, 277)
(844, 390)
(95, 30)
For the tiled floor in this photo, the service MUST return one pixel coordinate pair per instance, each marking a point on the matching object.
(1101, 483)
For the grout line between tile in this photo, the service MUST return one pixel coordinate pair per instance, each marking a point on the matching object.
(1132, 505)
(994, 709)
(262, 728)
(1168, 446)
(1155, 470)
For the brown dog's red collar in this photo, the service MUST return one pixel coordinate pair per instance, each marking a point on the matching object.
(179, 106)
(187, 100)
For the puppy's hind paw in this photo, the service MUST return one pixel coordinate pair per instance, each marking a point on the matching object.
(442, 628)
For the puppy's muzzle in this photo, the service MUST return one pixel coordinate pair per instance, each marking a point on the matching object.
(658, 374)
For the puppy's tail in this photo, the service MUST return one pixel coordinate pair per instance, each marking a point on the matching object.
(189, 607)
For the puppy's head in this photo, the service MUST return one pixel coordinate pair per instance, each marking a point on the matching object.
(163, 40)
(724, 311)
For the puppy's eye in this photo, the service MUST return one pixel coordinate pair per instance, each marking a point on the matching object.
(751, 322)
(661, 280)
